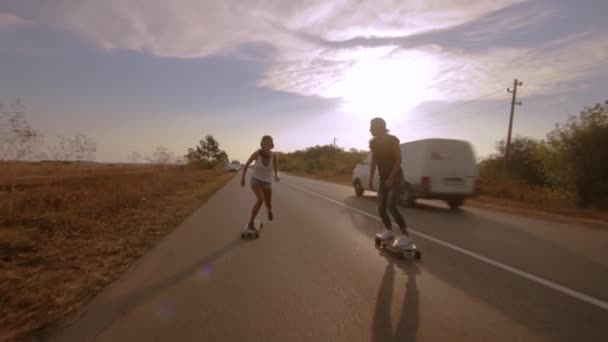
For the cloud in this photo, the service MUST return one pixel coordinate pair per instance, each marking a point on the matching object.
(318, 48)
(392, 79)
(504, 23)
(195, 28)
(11, 20)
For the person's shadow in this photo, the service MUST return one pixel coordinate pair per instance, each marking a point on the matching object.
(407, 326)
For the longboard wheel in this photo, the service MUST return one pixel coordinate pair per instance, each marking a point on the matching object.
(417, 255)
(257, 235)
(242, 235)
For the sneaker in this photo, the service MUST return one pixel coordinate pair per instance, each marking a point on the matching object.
(250, 227)
(402, 242)
(387, 234)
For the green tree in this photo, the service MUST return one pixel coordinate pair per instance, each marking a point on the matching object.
(525, 160)
(321, 160)
(207, 153)
(577, 156)
(222, 157)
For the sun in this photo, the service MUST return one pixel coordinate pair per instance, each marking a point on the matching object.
(384, 87)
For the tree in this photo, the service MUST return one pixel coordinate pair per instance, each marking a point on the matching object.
(577, 156)
(525, 160)
(325, 159)
(18, 140)
(134, 157)
(208, 152)
(180, 160)
(222, 157)
(161, 156)
(77, 147)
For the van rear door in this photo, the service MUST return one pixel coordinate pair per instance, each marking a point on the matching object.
(451, 166)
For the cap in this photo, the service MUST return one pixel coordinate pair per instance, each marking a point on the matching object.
(380, 123)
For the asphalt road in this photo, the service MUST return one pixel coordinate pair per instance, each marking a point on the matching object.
(315, 275)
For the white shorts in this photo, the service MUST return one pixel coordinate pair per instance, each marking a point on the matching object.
(263, 184)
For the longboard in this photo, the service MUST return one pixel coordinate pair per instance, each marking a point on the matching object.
(410, 252)
(246, 234)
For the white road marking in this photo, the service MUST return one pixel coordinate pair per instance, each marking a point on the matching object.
(555, 286)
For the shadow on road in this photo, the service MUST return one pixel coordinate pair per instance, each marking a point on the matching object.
(382, 327)
(407, 326)
(98, 318)
(542, 311)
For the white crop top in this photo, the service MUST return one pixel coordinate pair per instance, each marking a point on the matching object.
(261, 171)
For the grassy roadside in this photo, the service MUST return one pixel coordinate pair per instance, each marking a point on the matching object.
(67, 241)
(537, 209)
(563, 214)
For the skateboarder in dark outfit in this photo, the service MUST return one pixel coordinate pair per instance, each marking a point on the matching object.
(386, 155)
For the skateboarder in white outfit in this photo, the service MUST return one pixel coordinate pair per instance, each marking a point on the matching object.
(265, 167)
(386, 155)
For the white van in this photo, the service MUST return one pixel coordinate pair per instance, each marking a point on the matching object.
(443, 169)
(235, 166)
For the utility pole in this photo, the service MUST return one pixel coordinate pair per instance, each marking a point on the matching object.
(513, 103)
(334, 143)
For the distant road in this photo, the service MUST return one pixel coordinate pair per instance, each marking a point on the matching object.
(315, 275)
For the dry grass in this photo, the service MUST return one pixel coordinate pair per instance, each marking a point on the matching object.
(67, 240)
(538, 197)
(596, 218)
(29, 169)
(522, 198)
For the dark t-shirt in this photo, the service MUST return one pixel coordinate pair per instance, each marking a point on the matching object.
(382, 151)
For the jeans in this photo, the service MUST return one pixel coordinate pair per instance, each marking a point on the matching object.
(388, 198)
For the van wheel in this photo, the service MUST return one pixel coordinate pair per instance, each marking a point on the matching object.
(358, 188)
(455, 203)
(407, 197)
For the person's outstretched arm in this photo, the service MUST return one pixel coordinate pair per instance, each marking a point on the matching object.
(275, 164)
(397, 156)
(372, 170)
(253, 157)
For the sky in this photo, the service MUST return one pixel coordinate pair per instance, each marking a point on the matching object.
(135, 74)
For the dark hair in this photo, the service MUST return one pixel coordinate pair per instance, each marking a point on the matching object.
(261, 151)
(380, 123)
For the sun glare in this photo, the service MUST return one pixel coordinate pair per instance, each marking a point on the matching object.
(386, 87)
